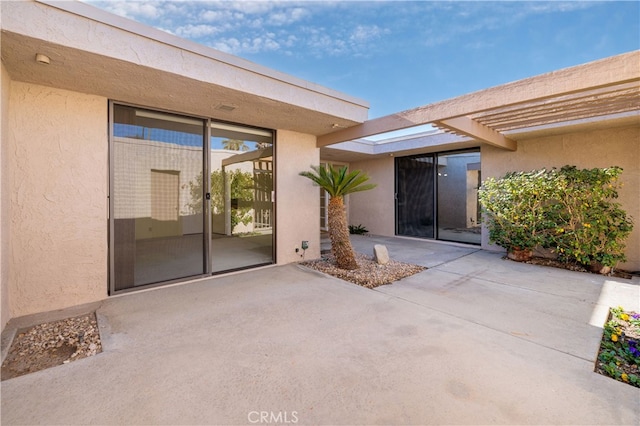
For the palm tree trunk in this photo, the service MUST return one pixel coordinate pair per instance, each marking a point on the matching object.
(339, 234)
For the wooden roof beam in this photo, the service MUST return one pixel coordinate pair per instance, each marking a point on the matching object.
(473, 129)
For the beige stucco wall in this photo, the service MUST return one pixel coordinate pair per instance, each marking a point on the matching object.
(375, 209)
(297, 199)
(58, 175)
(5, 84)
(58, 167)
(600, 148)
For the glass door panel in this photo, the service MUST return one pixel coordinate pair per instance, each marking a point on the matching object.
(415, 196)
(324, 210)
(242, 216)
(157, 218)
(458, 208)
(324, 207)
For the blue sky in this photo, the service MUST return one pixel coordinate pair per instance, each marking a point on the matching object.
(399, 55)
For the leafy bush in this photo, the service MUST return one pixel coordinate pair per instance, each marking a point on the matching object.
(357, 229)
(568, 210)
(515, 208)
(591, 228)
(242, 188)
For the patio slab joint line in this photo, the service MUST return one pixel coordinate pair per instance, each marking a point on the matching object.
(591, 361)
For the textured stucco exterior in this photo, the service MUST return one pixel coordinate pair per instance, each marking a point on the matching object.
(297, 199)
(375, 209)
(58, 174)
(5, 201)
(599, 148)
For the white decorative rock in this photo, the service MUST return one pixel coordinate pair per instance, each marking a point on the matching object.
(380, 254)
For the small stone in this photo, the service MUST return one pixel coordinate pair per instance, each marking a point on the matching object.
(380, 254)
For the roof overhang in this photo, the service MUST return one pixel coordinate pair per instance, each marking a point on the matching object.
(419, 143)
(603, 93)
(95, 52)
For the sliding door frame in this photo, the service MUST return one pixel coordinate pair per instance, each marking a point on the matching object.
(208, 261)
(436, 201)
(206, 164)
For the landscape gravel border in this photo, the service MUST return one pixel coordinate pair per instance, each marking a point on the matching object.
(369, 274)
(52, 343)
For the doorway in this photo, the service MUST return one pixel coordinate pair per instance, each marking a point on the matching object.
(166, 221)
(437, 196)
(157, 233)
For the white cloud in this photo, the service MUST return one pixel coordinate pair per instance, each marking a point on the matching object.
(365, 33)
(197, 31)
(288, 16)
(229, 45)
(458, 21)
(134, 10)
(248, 7)
(264, 43)
(557, 6)
(330, 28)
(215, 15)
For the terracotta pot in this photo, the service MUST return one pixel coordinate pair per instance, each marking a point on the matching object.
(520, 255)
(598, 267)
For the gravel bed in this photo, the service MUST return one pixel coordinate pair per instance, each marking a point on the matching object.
(369, 273)
(53, 343)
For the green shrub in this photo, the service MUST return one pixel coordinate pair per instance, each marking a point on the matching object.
(514, 208)
(357, 229)
(591, 227)
(568, 210)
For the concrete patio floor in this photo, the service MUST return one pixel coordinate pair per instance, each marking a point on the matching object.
(474, 339)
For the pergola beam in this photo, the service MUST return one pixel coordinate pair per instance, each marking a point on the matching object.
(473, 129)
(621, 69)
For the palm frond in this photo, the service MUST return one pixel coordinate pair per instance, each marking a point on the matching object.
(338, 182)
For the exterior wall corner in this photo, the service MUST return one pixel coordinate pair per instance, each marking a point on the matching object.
(5, 200)
(297, 199)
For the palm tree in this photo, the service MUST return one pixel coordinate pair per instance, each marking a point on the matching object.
(235, 145)
(339, 183)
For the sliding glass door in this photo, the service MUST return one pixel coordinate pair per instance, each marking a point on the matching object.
(437, 196)
(458, 207)
(188, 197)
(242, 216)
(415, 208)
(156, 219)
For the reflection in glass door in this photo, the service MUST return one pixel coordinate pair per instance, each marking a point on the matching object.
(324, 210)
(458, 208)
(167, 222)
(156, 218)
(242, 216)
(446, 183)
(415, 196)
